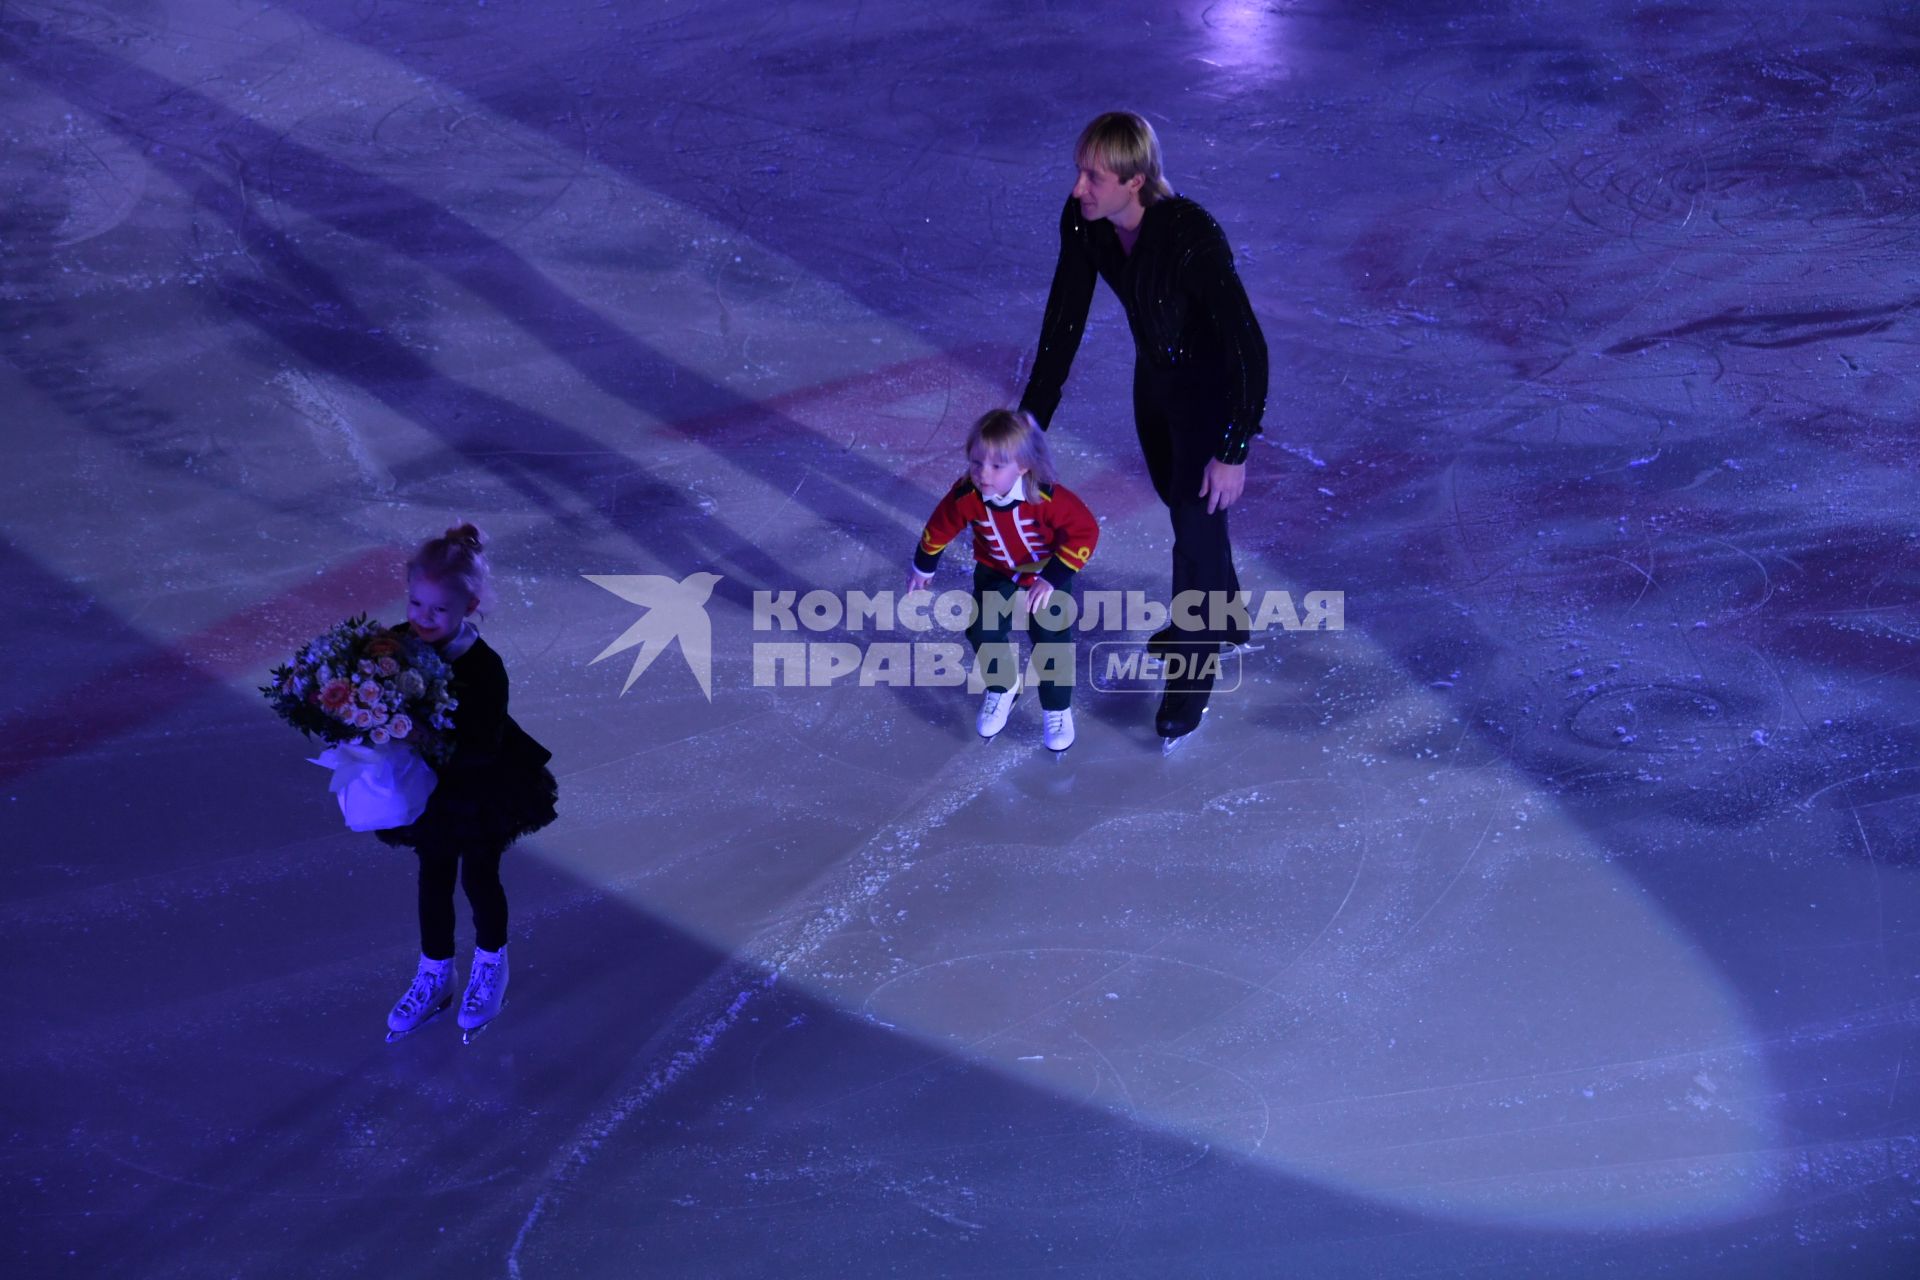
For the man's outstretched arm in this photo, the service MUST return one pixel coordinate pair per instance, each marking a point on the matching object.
(1065, 320)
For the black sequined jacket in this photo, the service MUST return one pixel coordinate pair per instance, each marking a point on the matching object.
(1184, 303)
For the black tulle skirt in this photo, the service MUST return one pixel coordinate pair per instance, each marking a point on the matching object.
(484, 806)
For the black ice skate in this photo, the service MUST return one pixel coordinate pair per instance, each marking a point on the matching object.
(1189, 668)
(1181, 711)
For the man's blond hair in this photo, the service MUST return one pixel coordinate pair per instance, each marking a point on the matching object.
(1125, 145)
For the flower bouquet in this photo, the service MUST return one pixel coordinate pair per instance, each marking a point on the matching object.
(380, 698)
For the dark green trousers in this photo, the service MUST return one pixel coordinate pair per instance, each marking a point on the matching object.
(990, 634)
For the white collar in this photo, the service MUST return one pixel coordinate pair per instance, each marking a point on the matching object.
(1013, 497)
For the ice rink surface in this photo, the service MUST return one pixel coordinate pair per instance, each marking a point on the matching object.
(1556, 917)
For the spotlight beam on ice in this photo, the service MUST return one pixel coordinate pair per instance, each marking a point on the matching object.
(1413, 979)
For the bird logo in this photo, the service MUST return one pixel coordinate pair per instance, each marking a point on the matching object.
(674, 611)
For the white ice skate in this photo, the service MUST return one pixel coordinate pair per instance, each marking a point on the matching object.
(1058, 732)
(486, 992)
(430, 992)
(995, 707)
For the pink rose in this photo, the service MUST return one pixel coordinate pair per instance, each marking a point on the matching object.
(367, 692)
(388, 667)
(379, 737)
(400, 726)
(362, 718)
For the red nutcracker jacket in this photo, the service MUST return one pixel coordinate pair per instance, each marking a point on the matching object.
(1047, 533)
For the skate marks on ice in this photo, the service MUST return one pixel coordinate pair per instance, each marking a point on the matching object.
(1477, 1023)
(94, 177)
(1401, 975)
(779, 953)
(446, 257)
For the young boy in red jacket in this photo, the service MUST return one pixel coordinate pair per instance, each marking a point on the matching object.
(1028, 532)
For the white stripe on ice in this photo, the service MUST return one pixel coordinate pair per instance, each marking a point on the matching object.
(859, 879)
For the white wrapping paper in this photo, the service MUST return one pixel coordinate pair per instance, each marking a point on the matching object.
(378, 787)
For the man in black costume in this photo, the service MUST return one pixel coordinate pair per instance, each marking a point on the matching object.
(1199, 373)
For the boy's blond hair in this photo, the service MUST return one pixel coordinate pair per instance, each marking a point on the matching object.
(1125, 145)
(1013, 433)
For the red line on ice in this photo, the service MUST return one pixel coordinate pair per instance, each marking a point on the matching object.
(261, 635)
(254, 639)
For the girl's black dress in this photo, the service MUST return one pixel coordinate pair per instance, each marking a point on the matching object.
(496, 786)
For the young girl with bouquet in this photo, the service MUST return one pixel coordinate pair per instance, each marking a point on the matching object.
(493, 788)
(427, 757)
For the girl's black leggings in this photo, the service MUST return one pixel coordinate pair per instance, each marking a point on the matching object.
(479, 874)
